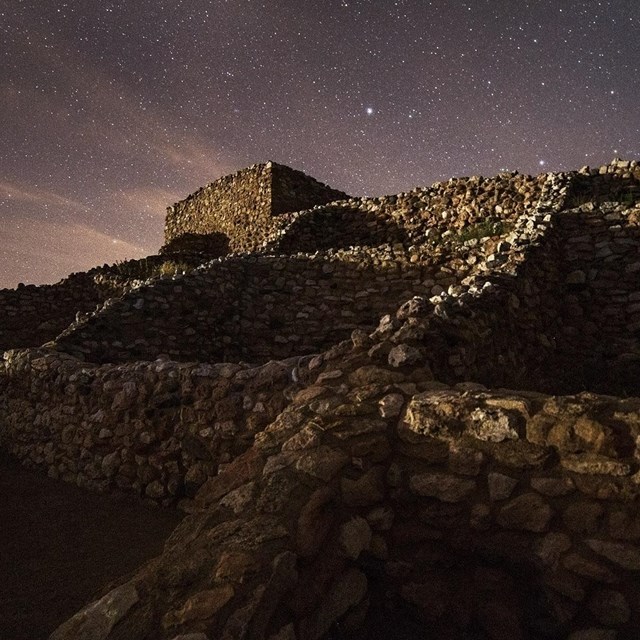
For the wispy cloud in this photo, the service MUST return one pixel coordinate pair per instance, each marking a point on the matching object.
(43, 251)
(151, 200)
(13, 192)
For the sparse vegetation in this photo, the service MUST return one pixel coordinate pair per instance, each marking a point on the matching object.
(484, 229)
(172, 267)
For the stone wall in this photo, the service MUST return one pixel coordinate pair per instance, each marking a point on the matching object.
(460, 209)
(553, 309)
(361, 258)
(32, 315)
(386, 503)
(262, 307)
(158, 429)
(245, 206)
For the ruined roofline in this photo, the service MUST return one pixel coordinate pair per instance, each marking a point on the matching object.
(257, 167)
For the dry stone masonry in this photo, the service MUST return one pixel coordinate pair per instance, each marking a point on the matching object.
(414, 416)
(246, 205)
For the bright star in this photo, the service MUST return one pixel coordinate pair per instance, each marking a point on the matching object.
(369, 111)
(541, 163)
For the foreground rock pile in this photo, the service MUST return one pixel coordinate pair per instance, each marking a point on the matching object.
(337, 415)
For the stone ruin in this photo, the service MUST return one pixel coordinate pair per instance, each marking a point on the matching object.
(411, 416)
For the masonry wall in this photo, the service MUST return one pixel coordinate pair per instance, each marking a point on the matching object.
(32, 315)
(242, 206)
(460, 209)
(388, 502)
(554, 310)
(362, 258)
(158, 429)
(254, 309)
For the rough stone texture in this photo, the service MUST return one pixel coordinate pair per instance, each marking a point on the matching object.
(378, 468)
(96, 621)
(528, 511)
(242, 206)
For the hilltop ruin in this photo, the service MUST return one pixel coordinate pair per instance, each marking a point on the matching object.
(415, 415)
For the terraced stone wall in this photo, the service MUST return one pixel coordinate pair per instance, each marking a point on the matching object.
(461, 209)
(254, 309)
(555, 310)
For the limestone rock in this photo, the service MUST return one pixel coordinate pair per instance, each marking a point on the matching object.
(355, 537)
(593, 464)
(363, 491)
(315, 519)
(588, 568)
(322, 463)
(403, 355)
(96, 620)
(551, 548)
(391, 405)
(500, 486)
(493, 425)
(624, 555)
(442, 486)
(347, 591)
(552, 487)
(201, 606)
(528, 512)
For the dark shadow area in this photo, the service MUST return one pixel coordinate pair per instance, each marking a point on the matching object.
(453, 595)
(603, 188)
(340, 228)
(211, 245)
(62, 546)
(598, 345)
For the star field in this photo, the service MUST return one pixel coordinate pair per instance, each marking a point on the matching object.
(112, 110)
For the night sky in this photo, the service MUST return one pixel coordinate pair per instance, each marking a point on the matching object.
(110, 111)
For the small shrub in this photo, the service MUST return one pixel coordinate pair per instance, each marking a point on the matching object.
(172, 267)
(484, 229)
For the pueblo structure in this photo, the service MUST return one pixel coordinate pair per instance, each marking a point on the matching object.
(410, 416)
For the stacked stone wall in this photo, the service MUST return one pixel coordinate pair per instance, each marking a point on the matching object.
(379, 500)
(238, 206)
(244, 206)
(459, 209)
(158, 429)
(254, 310)
(32, 315)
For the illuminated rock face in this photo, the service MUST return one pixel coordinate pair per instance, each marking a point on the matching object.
(382, 481)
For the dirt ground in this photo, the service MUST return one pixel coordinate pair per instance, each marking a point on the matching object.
(59, 545)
